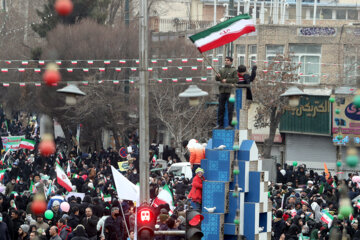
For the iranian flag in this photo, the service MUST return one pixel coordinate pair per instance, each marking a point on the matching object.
(2, 173)
(62, 179)
(27, 144)
(223, 33)
(326, 217)
(154, 158)
(164, 196)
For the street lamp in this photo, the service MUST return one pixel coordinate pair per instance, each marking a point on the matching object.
(193, 93)
(293, 94)
(71, 92)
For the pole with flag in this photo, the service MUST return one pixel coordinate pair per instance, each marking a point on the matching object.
(223, 33)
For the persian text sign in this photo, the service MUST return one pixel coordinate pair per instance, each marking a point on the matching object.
(12, 142)
(311, 116)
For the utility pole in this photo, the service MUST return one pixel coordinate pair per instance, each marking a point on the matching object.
(144, 103)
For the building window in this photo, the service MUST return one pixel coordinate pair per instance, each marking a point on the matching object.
(240, 51)
(340, 14)
(273, 50)
(252, 55)
(352, 15)
(326, 13)
(351, 62)
(310, 57)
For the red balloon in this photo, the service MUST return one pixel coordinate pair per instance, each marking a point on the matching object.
(51, 77)
(38, 207)
(47, 147)
(64, 7)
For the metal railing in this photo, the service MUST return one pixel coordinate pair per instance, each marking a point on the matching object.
(177, 25)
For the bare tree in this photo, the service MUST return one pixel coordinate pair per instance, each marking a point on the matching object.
(182, 121)
(270, 84)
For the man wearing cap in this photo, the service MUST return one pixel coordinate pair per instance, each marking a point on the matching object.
(196, 191)
(24, 232)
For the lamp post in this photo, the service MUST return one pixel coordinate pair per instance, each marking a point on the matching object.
(293, 94)
(71, 92)
(193, 93)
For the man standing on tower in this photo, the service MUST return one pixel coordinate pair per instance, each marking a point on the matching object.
(227, 75)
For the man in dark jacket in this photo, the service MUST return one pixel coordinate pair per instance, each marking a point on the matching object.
(16, 222)
(114, 226)
(90, 222)
(74, 218)
(63, 229)
(278, 225)
(226, 76)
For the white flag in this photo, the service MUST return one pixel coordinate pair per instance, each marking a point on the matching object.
(125, 189)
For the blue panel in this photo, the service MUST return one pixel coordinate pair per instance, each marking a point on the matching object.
(238, 105)
(209, 144)
(263, 221)
(249, 220)
(231, 229)
(244, 152)
(211, 226)
(240, 178)
(254, 187)
(218, 165)
(213, 195)
(204, 165)
(223, 137)
(234, 203)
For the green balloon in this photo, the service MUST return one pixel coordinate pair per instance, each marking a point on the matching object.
(232, 99)
(340, 217)
(295, 163)
(337, 111)
(332, 99)
(356, 101)
(236, 221)
(236, 171)
(339, 137)
(235, 194)
(338, 163)
(49, 214)
(236, 147)
(345, 211)
(234, 122)
(352, 161)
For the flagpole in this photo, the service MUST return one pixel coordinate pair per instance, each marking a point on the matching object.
(207, 60)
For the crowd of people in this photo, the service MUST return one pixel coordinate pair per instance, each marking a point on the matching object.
(311, 205)
(95, 212)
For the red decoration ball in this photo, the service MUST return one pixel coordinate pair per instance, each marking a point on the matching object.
(38, 207)
(51, 77)
(47, 147)
(64, 7)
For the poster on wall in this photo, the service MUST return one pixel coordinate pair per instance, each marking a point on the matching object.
(346, 122)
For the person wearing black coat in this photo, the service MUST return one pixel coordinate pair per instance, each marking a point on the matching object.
(90, 222)
(245, 78)
(278, 225)
(4, 230)
(114, 226)
(74, 218)
(79, 233)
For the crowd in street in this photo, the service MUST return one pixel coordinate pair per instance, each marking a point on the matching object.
(93, 210)
(312, 205)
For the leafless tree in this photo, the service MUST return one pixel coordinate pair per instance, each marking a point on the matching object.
(270, 84)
